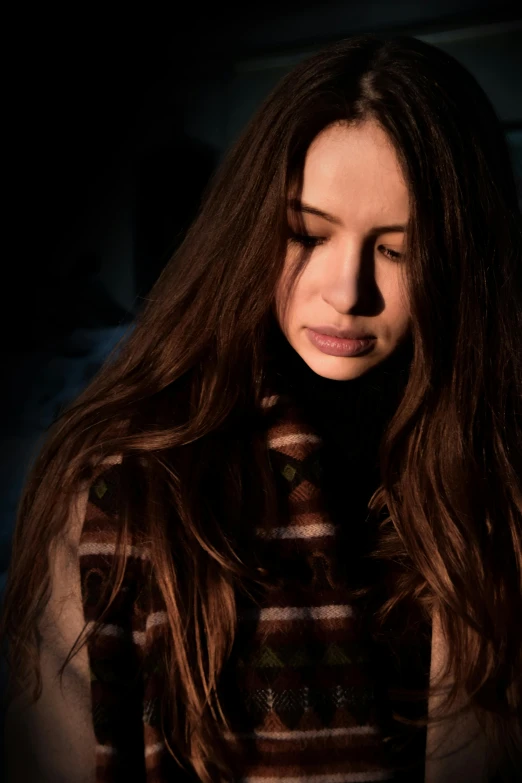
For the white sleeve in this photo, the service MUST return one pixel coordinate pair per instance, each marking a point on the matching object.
(52, 740)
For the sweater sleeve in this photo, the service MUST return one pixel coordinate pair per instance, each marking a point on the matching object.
(104, 724)
(125, 652)
(115, 655)
(52, 740)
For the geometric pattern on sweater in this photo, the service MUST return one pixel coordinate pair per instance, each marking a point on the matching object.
(300, 667)
(298, 688)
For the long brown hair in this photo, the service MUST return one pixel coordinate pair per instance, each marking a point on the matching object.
(177, 396)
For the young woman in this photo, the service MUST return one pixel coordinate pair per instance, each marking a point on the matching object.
(287, 512)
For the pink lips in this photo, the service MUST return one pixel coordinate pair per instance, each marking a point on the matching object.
(345, 334)
(340, 342)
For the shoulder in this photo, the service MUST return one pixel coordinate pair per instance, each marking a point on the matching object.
(108, 554)
(92, 516)
(456, 748)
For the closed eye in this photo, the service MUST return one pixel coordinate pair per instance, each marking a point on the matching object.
(306, 240)
(309, 241)
(391, 254)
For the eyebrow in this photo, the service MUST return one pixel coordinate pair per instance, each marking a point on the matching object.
(299, 206)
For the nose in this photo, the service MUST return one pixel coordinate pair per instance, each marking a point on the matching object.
(348, 277)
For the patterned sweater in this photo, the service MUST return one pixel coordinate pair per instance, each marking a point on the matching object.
(305, 687)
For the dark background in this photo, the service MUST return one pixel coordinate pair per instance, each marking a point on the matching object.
(115, 123)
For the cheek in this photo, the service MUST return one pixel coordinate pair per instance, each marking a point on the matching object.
(396, 296)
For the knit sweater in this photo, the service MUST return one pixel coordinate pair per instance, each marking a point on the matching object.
(300, 689)
(306, 689)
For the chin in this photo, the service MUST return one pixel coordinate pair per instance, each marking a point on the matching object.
(340, 368)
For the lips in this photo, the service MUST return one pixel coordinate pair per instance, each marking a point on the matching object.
(333, 345)
(344, 334)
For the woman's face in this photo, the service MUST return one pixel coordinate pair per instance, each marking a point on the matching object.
(353, 277)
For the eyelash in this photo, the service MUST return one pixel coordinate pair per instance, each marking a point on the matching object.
(308, 241)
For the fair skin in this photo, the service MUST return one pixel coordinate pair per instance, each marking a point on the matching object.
(353, 278)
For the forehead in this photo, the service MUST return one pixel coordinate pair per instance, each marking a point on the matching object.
(353, 171)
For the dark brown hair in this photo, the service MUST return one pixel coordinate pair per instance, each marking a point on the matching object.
(188, 379)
